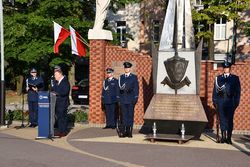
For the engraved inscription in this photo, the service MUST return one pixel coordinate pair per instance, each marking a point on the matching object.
(175, 107)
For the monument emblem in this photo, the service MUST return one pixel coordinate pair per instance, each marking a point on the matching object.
(176, 68)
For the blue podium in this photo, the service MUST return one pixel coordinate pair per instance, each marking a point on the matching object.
(46, 114)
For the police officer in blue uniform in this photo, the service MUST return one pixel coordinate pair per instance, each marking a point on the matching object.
(226, 98)
(33, 84)
(61, 89)
(128, 97)
(109, 98)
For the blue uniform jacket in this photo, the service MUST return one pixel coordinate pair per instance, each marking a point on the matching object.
(109, 91)
(62, 93)
(38, 81)
(226, 91)
(129, 89)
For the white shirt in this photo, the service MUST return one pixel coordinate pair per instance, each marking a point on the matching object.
(226, 75)
(127, 75)
(110, 79)
(60, 80)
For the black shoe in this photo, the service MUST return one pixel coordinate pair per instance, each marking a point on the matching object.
(229, 141)
(121, 135)
(31, 125)
(106, 127)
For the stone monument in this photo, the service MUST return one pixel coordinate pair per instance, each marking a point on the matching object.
(101, 12)
(176, 102)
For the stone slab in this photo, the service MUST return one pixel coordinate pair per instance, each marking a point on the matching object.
(175, 107)
(170, 111)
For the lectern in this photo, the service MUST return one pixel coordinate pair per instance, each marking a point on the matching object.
(46, 114)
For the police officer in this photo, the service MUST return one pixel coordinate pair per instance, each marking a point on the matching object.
(33, 84)
(109, 98)
(61, 89)
(129, 91)
(226, 98)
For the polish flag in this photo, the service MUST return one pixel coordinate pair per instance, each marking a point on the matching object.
(60, 35)
(77, 44)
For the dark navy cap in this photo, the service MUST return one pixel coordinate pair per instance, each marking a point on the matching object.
(33, 70)
(109, 70)
(226, 64)
(57, 68)
(127, 65)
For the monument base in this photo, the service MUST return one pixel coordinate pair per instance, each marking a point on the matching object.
(169, 112)
(100, 34)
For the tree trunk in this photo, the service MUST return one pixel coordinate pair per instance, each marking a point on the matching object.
(234, 47)
(72, 77)
(211, 44)
(19, 84)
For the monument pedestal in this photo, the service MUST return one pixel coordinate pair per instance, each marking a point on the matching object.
(169, 111)
(100, 34)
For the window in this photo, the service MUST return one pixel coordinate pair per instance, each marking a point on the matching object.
(121, 31)
(220, 29)
(156, 31)
(198, 2)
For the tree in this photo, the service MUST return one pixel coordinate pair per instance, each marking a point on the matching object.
(214, 9)
(29, 32)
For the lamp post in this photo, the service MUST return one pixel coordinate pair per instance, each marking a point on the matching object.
(2, 115)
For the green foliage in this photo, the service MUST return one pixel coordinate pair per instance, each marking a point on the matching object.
(29, 33)
(213, 10)
(247, 28)
(16, 115)
(78, 116)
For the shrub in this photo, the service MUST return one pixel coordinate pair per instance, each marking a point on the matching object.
(80, 116)
(16, 115)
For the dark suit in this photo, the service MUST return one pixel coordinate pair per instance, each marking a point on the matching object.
(62, 90)
(226, 98)
(129, 91)
(109, 99)
(33, 97)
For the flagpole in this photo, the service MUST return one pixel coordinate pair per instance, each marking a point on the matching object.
(2, 115)
(83, 40)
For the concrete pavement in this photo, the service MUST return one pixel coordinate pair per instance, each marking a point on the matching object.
(101, 147)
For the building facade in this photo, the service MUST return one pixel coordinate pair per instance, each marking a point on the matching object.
(144, 21)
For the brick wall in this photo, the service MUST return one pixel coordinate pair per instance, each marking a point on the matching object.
(110, 54)
(242, 114)
(102, 56)
(96, 76)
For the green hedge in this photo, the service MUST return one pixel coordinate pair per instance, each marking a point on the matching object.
(16, 115)
(77, 116)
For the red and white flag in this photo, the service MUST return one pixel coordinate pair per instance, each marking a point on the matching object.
(77, 44)
(60, 35)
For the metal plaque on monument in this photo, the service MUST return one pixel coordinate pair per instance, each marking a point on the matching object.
(176, 107)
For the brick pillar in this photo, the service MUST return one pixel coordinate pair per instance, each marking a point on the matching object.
(96, 76)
